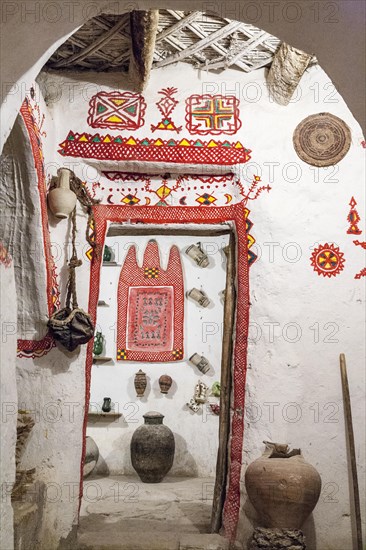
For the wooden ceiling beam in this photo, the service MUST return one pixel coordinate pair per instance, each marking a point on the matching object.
(94, 46)
(182, 22)
(144, 27)
(204, 43)
(195, 27)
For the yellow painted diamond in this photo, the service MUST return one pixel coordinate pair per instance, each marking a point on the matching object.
(206, 199)
(163, 192)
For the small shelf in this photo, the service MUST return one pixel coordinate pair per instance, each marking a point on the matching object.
(112, 264)
(111, 414)
(103, 303)
(102, 359)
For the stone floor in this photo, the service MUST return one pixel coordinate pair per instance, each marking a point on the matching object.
(121, 512)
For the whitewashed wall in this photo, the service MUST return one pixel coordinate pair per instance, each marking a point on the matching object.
(9, 399)
(300, 321)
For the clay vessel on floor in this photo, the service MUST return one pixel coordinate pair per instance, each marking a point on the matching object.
(152, 449)
(282, 487)
(61, 199)
(91, 456)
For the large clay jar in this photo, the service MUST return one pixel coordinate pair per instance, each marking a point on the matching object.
(61, 199)
(152, 449)
(282, 487)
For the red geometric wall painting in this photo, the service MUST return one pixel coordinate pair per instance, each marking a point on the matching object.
(361, 273)
(353, 218)
(212, 114)
(116, 110)
(106, 147)
(150, 307)
(327, 260)
(166, 106)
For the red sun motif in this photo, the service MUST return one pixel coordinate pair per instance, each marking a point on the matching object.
(327, 260)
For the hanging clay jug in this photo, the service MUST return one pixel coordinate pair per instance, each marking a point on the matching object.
(200, 362)
(107, 254)
(282, 487)
(197, 254)
(140, 383)
(193, 405)
(152, 449)
(61, 199)
(198, 296)
(200, 392)
(165, 383)
(107, 406)
(98, 344)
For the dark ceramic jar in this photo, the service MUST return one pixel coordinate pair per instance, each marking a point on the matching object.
(152, 449)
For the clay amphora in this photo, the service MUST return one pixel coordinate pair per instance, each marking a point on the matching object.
(152, 449)
(282, 487)
(61, 199)
(140, 383)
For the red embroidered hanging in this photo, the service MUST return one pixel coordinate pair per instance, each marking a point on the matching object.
(150, 307)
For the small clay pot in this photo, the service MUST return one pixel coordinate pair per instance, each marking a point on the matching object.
(140, 383)
(165, 383)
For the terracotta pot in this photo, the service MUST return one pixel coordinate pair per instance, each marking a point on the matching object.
(165, 383)
(140, 383)
(282, 487)
(152, 449)
(61, 199)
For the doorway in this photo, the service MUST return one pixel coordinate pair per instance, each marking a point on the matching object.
(191, 496)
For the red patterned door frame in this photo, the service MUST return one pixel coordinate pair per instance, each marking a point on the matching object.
(192, 215)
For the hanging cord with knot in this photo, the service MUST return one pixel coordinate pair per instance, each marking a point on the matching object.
(73, 263)
(80, 190)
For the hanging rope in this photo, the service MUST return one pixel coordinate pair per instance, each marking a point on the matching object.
(80, 190)
(73, 263)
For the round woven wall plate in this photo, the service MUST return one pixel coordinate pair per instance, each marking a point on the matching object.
(322, 139)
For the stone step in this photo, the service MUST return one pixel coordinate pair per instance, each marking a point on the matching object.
(113, 540)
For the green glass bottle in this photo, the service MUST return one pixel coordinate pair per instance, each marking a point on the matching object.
(107, 254)
(98, 344)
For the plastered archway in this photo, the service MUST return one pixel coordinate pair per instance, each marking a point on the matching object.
(52, 23)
